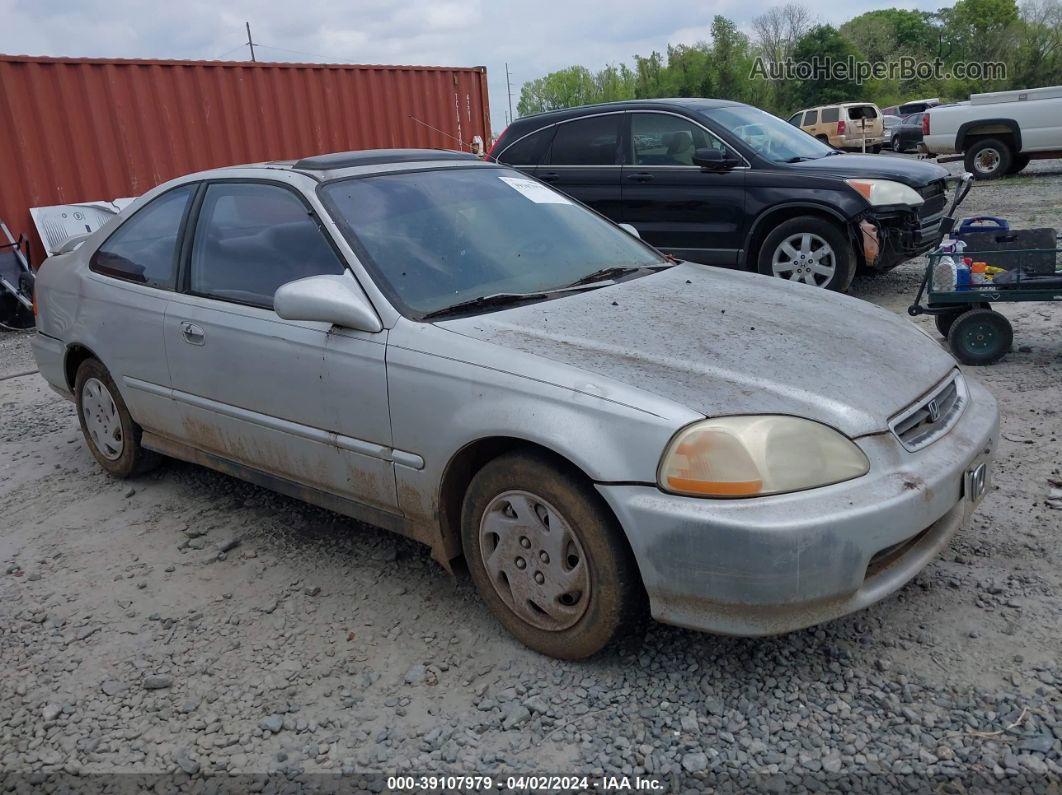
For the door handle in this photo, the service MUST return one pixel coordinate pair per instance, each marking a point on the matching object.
(641, 176)
(549, 176)
(192, 333)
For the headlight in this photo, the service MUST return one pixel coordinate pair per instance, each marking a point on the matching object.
(885, 191)
(752, 456)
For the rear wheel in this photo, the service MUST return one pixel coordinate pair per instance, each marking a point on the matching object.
(945, 320)
(547, 557)
(980, 336)
(109, 430)
(989, 158)
(810, 250)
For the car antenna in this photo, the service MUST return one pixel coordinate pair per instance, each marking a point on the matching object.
(436, 129)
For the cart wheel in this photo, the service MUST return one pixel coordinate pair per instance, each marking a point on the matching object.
(945, 320)
(980, 336)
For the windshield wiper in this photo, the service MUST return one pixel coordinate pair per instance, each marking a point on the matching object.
(615, 271)
(484, 302)
(798, 159)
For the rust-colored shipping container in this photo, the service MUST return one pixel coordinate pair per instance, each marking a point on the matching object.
(88, 129)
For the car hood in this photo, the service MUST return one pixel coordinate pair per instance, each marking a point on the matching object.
(910, 172)
(725, 342)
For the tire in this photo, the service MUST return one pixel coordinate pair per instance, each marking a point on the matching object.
(773, 257)
(989, 158)
(824, 139)
(944, 320)
(604, 596)
(109, 430)
(1019, 163)
(876, 149)
(980, 336)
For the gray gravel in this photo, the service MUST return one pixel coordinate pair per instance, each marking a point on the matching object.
(195, 624)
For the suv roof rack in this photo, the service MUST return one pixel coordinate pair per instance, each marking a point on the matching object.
(370, 157)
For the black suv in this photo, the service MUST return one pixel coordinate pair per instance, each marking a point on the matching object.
(724, 183)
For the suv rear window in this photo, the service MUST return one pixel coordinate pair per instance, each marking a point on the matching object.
(862, 112)
(830, 115)
(528, 151)
(587, 142)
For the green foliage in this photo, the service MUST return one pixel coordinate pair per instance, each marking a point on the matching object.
(1028, 40)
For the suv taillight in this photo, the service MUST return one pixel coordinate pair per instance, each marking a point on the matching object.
(925, 124)
(840, 127)
(494, 144)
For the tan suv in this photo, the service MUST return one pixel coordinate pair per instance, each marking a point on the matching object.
(843, 126)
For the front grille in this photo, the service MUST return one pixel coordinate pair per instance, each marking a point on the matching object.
(932, 415)
(931, 213)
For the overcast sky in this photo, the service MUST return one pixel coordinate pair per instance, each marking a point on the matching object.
(534, 36)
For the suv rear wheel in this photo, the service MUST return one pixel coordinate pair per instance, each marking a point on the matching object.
(989, 158)
(810, 250)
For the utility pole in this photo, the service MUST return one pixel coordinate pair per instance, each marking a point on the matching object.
(250, 42)
(509, 91)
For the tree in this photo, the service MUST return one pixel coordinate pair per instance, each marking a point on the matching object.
(562, 89)
(825, 44)
(777, 32)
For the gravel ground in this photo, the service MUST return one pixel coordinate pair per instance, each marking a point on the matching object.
(190, 624)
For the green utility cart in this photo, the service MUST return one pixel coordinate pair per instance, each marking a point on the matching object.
(975, 332)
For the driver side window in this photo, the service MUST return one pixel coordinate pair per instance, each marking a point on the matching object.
(660, 139)
(251, 238)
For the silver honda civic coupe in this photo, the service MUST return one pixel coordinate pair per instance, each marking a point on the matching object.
(448, 349)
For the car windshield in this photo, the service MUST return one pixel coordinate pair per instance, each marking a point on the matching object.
(438, 238)
(768, 135)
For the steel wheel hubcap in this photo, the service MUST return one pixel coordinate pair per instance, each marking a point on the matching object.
(804, 257)
(102, 422)
(988, 160)
(534, 560)
(981, 337)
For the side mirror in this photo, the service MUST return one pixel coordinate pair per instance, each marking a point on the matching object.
(331, 299)
(712, 159)
(630, 230)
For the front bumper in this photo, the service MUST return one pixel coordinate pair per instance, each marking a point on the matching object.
(775, 564)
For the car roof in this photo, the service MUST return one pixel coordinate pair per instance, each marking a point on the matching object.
(326, 167)
(687, 103)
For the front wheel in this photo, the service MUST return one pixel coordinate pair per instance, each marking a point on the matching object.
(989, 158)
(547, 557)
(980, 336)
(810, 250)
(110, 432)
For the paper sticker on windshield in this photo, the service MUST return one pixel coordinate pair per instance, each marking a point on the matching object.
(536, 192)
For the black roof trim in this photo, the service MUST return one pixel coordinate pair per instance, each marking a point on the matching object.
(372, 157)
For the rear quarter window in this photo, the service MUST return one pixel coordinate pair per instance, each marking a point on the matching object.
(144, 248)
(830, 115)
(529, 149)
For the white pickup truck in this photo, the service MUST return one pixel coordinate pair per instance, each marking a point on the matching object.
(998, 133)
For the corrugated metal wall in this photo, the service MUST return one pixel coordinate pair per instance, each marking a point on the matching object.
(74, 130)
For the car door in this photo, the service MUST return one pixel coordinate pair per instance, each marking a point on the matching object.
(911, 131)
(675, 205)
(133, 273)
(295, 399)
(584, 161)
